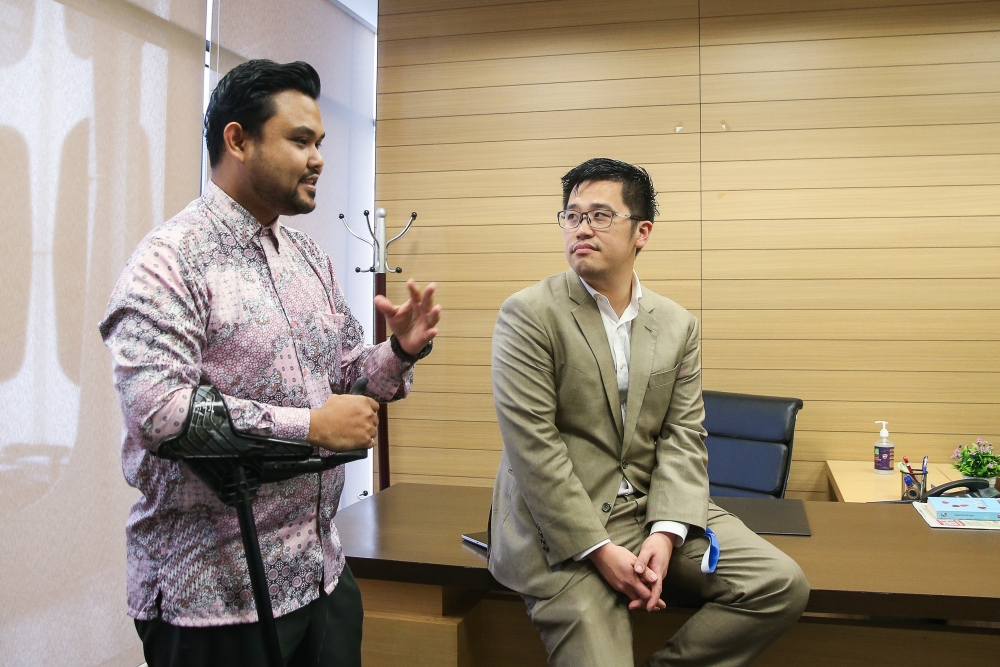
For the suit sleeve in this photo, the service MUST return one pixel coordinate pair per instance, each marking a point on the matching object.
(678, 490)
(524, 393)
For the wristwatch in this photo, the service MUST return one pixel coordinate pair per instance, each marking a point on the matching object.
(406, 356)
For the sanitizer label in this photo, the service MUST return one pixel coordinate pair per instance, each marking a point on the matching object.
(883, 458)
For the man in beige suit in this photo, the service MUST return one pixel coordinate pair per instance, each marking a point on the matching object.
(601, 498)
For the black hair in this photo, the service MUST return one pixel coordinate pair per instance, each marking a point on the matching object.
(637, 186)
(245, 95)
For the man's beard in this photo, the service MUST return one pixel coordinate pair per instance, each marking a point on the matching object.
(286, 200)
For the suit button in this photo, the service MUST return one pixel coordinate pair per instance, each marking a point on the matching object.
(624, 465)
(606, 507)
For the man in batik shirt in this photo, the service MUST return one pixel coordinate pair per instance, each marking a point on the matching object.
(224, 294)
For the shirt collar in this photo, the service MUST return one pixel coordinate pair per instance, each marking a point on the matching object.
(604, 305)
(243, 226)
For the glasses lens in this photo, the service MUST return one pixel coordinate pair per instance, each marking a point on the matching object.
(569, 219)
(601, 219)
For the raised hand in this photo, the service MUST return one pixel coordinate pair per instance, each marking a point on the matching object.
(414, 322)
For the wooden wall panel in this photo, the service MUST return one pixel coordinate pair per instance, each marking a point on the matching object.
(540, 97)
(500, 17)
(951, 78)
(657, 120)
(941, 201)
(839, 173)
(928, 232)
(623, 65)
(880, 295)
(679, 33)
(715, 8)
(562, 153)
(854, 263)
(906, 50)
(936, 109)
(676, 177)
(843, 325)
(809, 21)
(830, 200)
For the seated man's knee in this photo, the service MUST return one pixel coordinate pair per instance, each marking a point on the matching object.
(791, 587)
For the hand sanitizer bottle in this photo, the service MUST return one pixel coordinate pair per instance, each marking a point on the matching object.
(884, 451)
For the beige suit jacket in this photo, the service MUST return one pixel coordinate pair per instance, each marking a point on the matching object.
(565, 446)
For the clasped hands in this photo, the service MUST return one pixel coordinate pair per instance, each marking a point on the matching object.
(638, 577)
(348, 422)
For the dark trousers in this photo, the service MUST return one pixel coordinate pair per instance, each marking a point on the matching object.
(324, 633)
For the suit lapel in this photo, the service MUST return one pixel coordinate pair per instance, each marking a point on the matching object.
(642, 351)
(588, 318)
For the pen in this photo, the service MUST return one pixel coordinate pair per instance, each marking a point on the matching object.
(924, 467)
(907, 462)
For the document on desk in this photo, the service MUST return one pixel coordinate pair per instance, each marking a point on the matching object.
(768, 516)
(924, 510)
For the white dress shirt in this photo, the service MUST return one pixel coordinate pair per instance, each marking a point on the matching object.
(619, 332)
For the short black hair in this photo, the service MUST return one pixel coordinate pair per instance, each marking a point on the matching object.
(637, 186)
(245, 95)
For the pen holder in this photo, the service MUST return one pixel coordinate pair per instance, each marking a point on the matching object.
(914, 486)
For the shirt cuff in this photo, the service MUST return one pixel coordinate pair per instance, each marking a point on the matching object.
(678, 530)
(290, 423)
(583, 554)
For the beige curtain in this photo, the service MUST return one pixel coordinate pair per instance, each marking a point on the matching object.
(100, 140)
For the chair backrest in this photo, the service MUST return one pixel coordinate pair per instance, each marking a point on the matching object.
(749, 443)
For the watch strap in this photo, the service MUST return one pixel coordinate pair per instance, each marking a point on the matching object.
(403, 355)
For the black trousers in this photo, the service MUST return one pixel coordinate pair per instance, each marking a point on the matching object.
(324, 633)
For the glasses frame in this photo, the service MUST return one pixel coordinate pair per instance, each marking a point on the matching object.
(586, 215)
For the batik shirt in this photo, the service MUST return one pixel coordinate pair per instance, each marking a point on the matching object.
(212, 296)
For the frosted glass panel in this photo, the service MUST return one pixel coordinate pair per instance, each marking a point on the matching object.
(100, 140)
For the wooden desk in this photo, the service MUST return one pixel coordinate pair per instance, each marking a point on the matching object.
(857, 481)
(421, 584)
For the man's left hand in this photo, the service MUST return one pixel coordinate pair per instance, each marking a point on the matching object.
(651, 566)
(414, 322)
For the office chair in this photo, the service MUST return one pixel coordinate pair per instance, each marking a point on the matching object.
(749, 443)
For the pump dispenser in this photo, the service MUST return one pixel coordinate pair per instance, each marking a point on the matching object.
(884, 451)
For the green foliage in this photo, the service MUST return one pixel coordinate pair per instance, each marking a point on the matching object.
(977, 460)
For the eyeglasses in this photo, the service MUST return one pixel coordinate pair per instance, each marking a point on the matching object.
(600, 219)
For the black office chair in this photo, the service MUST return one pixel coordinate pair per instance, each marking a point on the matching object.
(749, 443)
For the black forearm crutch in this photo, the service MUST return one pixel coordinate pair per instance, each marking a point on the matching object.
(234, 465)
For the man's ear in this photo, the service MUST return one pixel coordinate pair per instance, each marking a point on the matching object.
(642, 232)
(236, 142)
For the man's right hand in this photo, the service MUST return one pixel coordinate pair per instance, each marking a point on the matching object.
(344, 422)
(617, 565)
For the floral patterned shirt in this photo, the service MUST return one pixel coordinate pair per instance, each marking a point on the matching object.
(213, 296)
